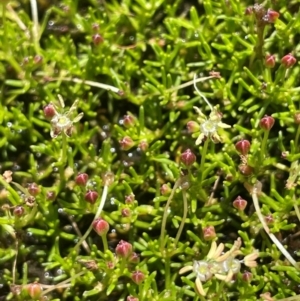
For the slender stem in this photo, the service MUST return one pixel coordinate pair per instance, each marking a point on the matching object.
(102, 202)
(104, 241)
(263, 146)
(164, 220)
(167, 273)
(203, 155)
(271, 235)
(61, 284)
(202, 95)
(35, 28)
(297, 139)
(64, 155)
(185, 210)
(15, 263)
(75, 227)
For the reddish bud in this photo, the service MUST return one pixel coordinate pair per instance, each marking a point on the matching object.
(19, 211)
(247, 276)
(137, 277)
(128, 121)
(129, 199)
(81, 179)
(193, 127)
(134, 258)
(131, 298)
(209, 233)
(249, 10)
(239, 203)
(269, 219)
(100, 226)
(110, 265)
(49, 111)
(97, 39)
(288, 60)
(297, 118)
(246, 170)
(126, 143)
(243, 146)
(124, 249)
(95, 26)
(143, 146)
(91, 196)
(165, 189)
(270, 61)
(272, 15)
(38, 59)
(284, 155)
(126, 212)
(33, 189)
(188, 158)
(267, 122)
(34, 290)
(50, 195)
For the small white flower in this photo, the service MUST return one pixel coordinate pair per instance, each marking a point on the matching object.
(63, 122)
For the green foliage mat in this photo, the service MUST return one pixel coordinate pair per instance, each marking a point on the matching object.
(149, 150)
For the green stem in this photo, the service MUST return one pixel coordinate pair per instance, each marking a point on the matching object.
(263, 146)
(164, 220)
(167, 273)
(203, 155)
(102, 202)
(104, 241)
(185, 210)
(297, 138)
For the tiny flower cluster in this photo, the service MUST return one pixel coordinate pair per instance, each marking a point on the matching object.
(222, 266)
(61, 121)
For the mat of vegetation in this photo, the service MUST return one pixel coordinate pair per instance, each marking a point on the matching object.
(149, 150)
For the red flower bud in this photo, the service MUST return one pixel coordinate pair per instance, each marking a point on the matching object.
(188, 158)
(269, 219)
(126, 143)
(239, 203)
(38, 59)
(249, 10)
(34, 290)
(267, 122)
(137, 277)
(129, 199)
(50, 195)
(33, 189)
(247, 276)
(124, 249)
(288, 60)
(126, 212)
(209, 233)
(165, 189)
(97, 39)
(270, 60)
(49, 111)
(100, 226)
(81, 179)
(243, 146)
(246, 170)
(272, 15)
(128, 121)
(19, 211)
(143, 145)
(91, 196)
(193, 127)
(134, 258)
(297, 118)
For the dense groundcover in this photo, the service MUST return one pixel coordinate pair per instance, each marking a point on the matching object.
(149, 150)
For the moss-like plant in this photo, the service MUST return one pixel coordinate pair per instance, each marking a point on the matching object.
(141, 140)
